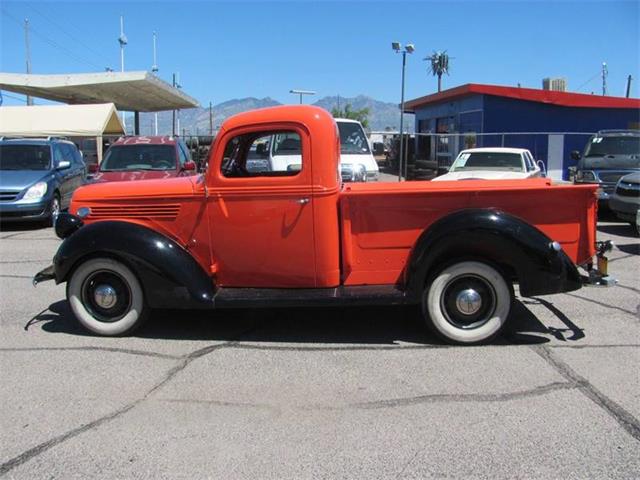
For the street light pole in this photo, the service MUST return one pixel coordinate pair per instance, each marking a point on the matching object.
(301, 93)
(154, 70)
(122, 40)
(27, 46)
(408, 48)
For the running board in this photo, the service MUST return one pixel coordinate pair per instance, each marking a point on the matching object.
(310, 297)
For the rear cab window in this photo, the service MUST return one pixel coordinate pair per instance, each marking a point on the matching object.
(263, 154)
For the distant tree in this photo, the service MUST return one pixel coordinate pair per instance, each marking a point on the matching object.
(439, 64)
(361, 115)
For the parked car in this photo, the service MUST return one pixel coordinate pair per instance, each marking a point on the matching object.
(608, 156)
(282, 152)
(142, 158)
(492, 164)
(300, 237)
(38, 177)
(355, 150)
(625, 200)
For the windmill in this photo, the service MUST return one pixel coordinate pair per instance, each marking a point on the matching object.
(439, 65)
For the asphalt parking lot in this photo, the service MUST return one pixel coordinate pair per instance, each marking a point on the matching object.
(324, 393)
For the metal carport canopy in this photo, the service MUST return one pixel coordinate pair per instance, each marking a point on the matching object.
(131, 91)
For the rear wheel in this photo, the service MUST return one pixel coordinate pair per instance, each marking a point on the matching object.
(106, 297)
(467, 303)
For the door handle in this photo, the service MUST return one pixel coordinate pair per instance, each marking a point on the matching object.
(302, 201)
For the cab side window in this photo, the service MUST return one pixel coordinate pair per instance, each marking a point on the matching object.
(263, 154)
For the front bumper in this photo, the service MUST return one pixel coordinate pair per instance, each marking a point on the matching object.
(21, 211)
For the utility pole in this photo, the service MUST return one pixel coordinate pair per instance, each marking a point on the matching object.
(629, 78)
(122, 40)
(28, 54)
(173, 128)
(154, 70)
(605, 72)
(210, 119)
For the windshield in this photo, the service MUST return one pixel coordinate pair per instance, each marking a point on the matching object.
(623, 145)
(352, 139)
(487, 161)
(139, 157)
(25, 157)
(286, 144)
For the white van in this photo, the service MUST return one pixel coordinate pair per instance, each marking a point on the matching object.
(355, 152)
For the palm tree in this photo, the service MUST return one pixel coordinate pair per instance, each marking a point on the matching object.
(439, 65)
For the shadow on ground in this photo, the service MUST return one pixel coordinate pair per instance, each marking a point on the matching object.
(621, 230)
(19, 226)
(369, 326)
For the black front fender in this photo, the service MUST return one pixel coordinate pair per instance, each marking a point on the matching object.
(170, 276)
(503, 239)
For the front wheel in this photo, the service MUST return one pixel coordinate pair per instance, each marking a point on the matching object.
(106, 297)
(467, 303)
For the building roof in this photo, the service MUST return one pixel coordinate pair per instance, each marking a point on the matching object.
(131, 91)
(564, 99)
(60, 120)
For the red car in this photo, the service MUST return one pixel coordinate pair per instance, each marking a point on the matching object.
(143, 158)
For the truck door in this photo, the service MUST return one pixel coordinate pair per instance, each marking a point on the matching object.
(260, 214)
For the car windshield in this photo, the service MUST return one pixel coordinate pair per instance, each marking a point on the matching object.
(25, 157)
(139, 157)
(286, 144)
(352, 139)
(487, 161)
(622, 145)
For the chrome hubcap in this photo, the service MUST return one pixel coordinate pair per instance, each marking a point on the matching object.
(105, 296)
(468, 301)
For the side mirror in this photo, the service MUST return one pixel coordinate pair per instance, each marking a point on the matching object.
(63, 164)
(575, 155)
(189, 166)
(93, 168)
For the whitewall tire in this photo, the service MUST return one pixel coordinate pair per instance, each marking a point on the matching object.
(106, 297)
(467, 303)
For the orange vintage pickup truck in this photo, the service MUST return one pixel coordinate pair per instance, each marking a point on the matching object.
(245, 234)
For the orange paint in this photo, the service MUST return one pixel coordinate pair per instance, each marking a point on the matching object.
(308, 230)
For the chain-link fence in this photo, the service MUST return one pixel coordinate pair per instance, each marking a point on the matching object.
(431, 154)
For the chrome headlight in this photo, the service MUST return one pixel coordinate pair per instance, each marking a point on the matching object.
(36, 191)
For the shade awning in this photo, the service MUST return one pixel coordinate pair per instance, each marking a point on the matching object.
(131, 91)
(60, 121)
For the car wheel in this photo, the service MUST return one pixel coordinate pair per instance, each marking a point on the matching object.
(467, 303)
(106, 297)
(54, 209)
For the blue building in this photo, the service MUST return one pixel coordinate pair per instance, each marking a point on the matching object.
(549, 123)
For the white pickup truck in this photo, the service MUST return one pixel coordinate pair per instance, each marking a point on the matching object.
(282, 153)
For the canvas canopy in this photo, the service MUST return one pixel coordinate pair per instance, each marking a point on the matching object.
(60, 120)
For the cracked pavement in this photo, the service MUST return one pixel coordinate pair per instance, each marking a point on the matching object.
(308, 393)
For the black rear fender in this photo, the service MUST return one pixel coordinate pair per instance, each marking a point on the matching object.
(519, 250)
(170, 276)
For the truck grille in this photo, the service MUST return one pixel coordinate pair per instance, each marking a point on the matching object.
(7, 196)
(628, 189)
(164, 212)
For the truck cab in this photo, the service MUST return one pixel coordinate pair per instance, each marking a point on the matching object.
(240, 237)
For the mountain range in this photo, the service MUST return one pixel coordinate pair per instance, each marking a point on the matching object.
(193, 121)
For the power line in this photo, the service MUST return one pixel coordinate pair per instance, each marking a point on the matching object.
(53, 43)
(588, 81)
(67, 33)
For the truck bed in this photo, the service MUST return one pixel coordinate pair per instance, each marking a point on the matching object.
(380, 222)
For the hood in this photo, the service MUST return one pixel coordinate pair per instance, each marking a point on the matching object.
(483, 175)
(365, 159)
(631, 178)
(148, 189)
(611, 162)
(128, 175)
(21, 179)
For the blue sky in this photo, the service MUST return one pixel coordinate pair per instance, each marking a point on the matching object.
(226, 50)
